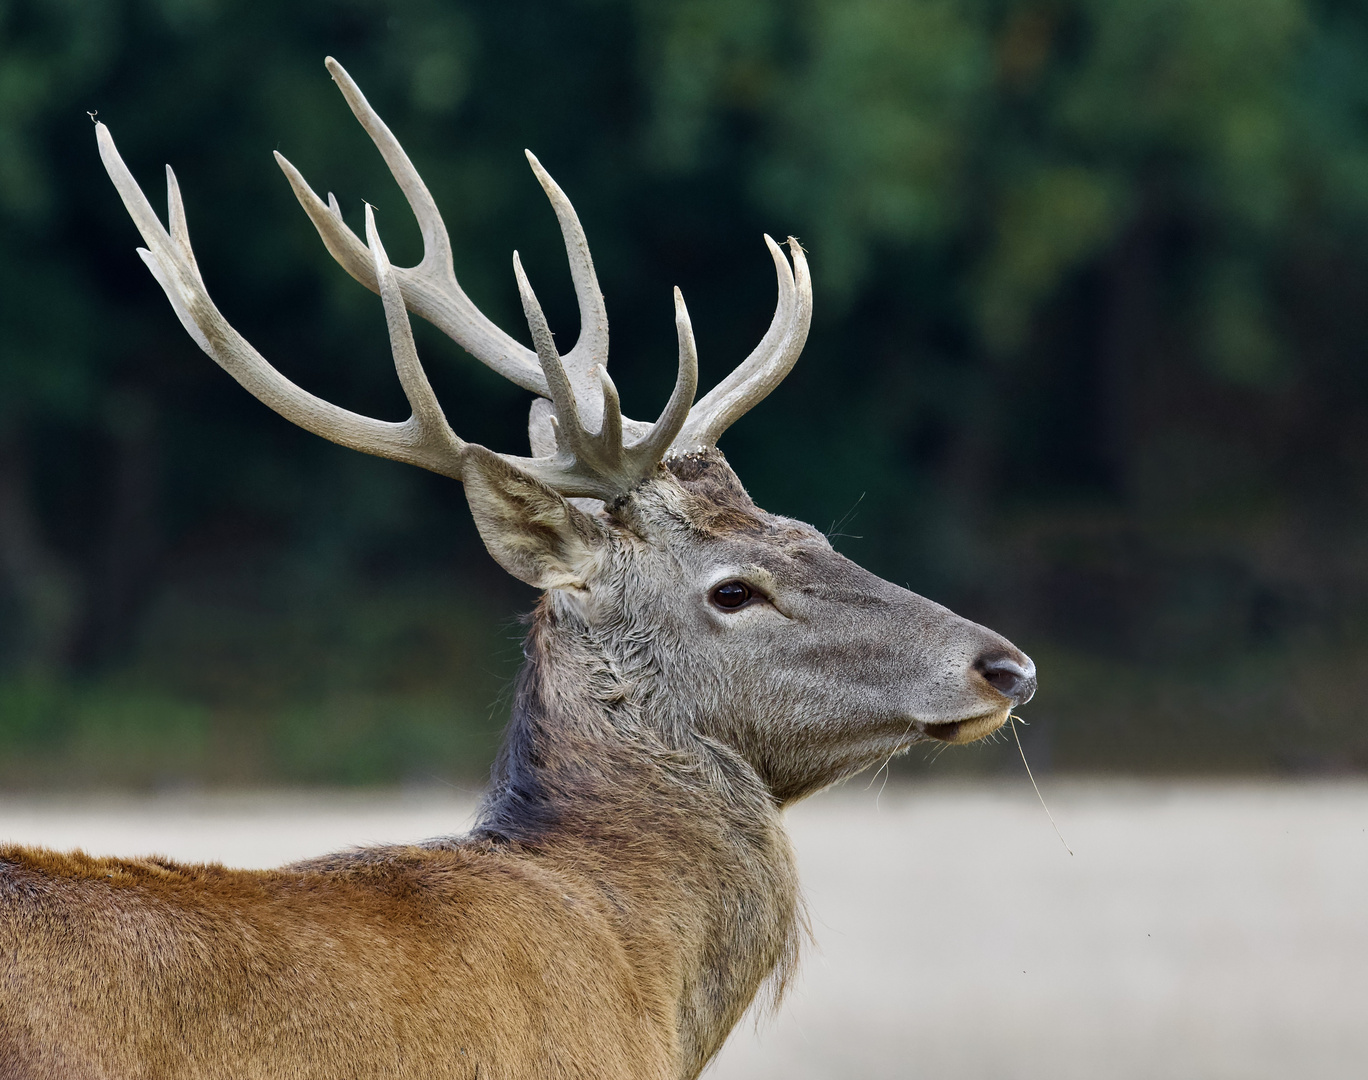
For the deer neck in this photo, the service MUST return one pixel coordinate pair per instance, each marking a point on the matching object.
(677, 835)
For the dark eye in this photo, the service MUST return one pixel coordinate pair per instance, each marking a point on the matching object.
(731, 595)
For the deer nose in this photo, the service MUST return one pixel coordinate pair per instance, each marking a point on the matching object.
(1011, 677)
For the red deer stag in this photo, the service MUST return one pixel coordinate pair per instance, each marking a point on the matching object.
(695, 666)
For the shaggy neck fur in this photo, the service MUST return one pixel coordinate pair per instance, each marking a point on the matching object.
(677, 834)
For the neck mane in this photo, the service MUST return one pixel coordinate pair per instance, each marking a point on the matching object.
(679, 834)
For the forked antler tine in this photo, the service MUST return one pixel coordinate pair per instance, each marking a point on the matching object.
(343, 244)
(175, 212)
(768, 363)
(597, 464)
(169, 257)
(436, 241)
(431, 290)
(179, 278)
(428, 418)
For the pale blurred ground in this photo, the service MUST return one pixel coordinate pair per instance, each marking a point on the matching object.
(1200, 930)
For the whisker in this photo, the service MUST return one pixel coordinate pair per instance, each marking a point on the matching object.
(844, 519)
(886, 760)
(1012, 720)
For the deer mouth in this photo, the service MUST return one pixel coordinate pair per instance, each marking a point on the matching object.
(967, 731)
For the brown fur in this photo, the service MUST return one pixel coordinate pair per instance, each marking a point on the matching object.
(612, 917)
(628, 889)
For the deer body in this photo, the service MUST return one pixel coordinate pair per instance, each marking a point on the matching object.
(582, 954)
(694, 666)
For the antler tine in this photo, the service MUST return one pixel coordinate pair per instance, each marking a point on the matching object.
(562, 394)
(677, 410)
(175, 212)
(768, 363)
(611, 428)
(169, 257)
(431, 290)
(597, 464)
(591, 349)
(430, 423)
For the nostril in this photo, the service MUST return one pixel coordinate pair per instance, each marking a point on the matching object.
(1000, 678)
(1006, 676)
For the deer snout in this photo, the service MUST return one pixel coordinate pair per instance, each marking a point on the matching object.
(1012, 676)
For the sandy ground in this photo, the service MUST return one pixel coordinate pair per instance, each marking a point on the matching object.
(1199, 930)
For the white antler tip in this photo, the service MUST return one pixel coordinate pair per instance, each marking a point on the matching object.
(286, 167)
(339, 74)
(552, 189)
(373, 241)
(529, 298)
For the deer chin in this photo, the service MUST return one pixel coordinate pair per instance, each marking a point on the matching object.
(967, 731)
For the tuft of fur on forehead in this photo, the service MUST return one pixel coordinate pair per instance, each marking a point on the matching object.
(719, 504)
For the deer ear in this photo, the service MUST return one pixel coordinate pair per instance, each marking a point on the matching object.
(533, 533)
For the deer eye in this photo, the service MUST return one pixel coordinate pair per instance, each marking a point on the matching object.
(731, 595)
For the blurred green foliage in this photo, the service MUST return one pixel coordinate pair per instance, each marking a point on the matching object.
(1089, 339)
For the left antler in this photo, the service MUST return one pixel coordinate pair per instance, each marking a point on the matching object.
(425, 439)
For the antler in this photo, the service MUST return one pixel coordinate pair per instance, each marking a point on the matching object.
(601, 459)
(424, 439)
(430, 290)
(594, 465)
(764, 369)
(583, 453)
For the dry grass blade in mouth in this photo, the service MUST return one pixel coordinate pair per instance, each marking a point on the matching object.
(1011, 719)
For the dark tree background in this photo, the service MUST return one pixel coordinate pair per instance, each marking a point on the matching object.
(1088, 361)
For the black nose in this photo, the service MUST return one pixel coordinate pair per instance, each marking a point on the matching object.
(1009, 677)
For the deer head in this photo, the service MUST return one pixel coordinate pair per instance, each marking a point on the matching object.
(713, 619)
